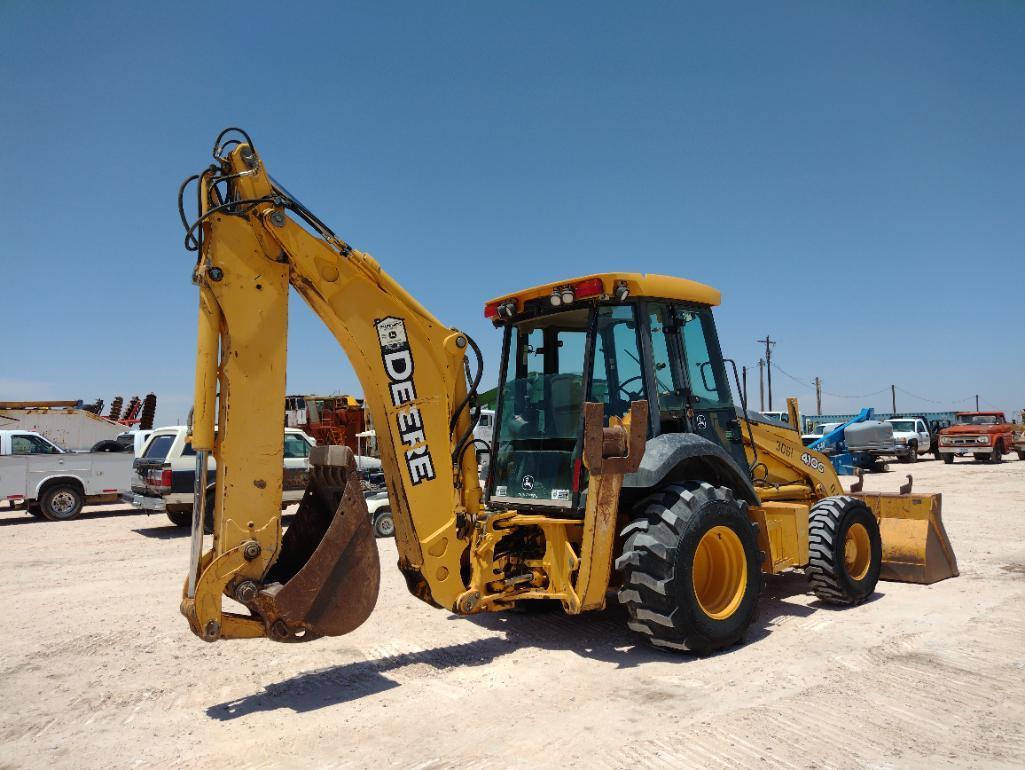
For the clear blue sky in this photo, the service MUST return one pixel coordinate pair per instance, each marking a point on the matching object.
(850, 175)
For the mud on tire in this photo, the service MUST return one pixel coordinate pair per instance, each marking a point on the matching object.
(664, 574)
(845, 550)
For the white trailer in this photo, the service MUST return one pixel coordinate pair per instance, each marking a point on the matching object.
(76, 430)
(54, 483)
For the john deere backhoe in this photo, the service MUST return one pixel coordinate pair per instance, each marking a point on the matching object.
(619, 459)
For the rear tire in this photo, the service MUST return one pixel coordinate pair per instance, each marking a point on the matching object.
(948, 459)
(845, 550)
(691, 568)
(1021, 454)
(180, 518)
(61, 503)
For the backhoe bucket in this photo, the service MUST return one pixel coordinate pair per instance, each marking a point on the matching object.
(325, 581)
(916, 548)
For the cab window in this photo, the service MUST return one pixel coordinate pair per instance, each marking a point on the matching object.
(31, 445)
(616, 376)
(296, 446)
(708, 385)
(158, 447)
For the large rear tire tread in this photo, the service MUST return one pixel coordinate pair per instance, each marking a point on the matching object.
(657, 563)
(828, 524)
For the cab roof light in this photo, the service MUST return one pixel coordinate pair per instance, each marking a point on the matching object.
(622, 291)
(567, 295)
(556, 298)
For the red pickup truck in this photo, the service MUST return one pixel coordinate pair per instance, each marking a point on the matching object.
(984, 435)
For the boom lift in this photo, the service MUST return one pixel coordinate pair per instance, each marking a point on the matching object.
(617, 444)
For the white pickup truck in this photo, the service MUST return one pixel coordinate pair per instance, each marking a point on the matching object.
(54, 483)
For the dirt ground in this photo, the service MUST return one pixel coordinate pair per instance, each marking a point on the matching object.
(98, 669)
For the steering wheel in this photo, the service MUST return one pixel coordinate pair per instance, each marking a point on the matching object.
(631, 396)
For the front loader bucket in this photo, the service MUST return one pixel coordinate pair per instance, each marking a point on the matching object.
(325, 581)
(916, 548)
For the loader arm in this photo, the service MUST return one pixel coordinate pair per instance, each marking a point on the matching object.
(413, 369)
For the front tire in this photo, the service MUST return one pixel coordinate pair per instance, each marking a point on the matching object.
(61, 503)
(845, 550)
(997, 456)
(912, 455)
(691, 568)
(384, 525)
(1021, 454)
(948, 459)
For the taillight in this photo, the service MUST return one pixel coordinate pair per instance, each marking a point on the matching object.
(490, 311)
(159, 477)
(592, 287)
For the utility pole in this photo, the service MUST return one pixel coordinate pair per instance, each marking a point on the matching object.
(769, 342)
(976, 402)
(893, 398)
(761, 385)
(743, 378)
(818, 396)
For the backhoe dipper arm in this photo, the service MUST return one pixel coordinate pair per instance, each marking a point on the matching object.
(413, 369)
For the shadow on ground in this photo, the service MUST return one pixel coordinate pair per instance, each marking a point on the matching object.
(13, 517)
(602, 636)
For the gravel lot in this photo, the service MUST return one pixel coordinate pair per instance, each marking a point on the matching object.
(98, 669)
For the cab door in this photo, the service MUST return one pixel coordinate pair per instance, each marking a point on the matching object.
(690, 378)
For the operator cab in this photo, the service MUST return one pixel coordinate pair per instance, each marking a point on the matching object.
(611, 338)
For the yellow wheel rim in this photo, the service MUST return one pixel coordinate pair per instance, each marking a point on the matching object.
(720, 572)
(857, 552)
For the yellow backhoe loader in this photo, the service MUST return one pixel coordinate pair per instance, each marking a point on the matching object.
(619, 460)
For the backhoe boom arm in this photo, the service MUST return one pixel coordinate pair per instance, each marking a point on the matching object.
(412, 367)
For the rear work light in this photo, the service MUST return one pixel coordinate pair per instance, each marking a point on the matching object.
(503, 309)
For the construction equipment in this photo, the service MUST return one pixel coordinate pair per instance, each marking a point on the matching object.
(617, 444)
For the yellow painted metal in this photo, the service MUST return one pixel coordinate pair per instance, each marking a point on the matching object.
(719, 572)
(915, 545)
(857, 551)
(208, 337)
(916, 548)
(784, 468)
(639, 285)
(782, 534)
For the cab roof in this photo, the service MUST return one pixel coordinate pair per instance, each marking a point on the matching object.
(639, 284)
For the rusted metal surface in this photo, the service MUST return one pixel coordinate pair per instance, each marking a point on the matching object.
(609, 452)
(326, 580)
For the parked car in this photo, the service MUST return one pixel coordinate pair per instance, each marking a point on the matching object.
(983, 435)
(380, 513)
(1018, 437)
(163, 478)
(54, 483)
(134, 440)
(912, 434)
